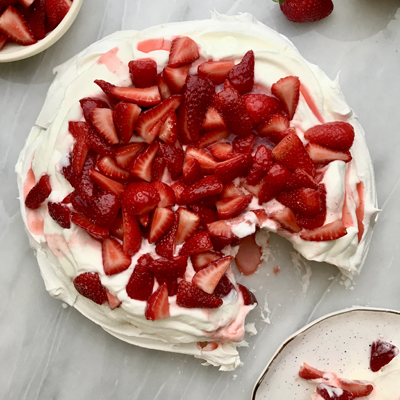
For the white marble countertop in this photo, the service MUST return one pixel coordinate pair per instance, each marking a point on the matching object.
(51, 352)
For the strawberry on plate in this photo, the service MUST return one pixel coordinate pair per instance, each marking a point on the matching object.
(305, 10)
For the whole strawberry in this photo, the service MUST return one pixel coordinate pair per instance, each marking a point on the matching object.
(305, 10)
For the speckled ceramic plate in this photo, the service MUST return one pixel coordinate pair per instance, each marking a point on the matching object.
(340, 343)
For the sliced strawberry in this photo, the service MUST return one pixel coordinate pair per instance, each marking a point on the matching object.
(324, 155)
(197, 243)
(287, 90)
(273, 183)
(158, 169)
(167, 195)
(174, 157)
(141, 167)
(221, 229)
(125, 116)
(39, 193)
(221, 151)
(144, 97)
(261, 216)
(208, 278)
(106, 183)
(242, 75)
(117, 228)
(106, 88)
(165, 246)
(113, 301)
(174, 267)
(88, 104)
(357, 388)
(300, 179)
(207, 215)
(261, 166)
(212, 137)
(331, 393)
(224, 287)
(291, 153)
(260, 107)
(36, 20)
(98, 144)
(81, 149)
(188, 223)
(92, 229)
(244, 144)
(305, 201)
(286, 220)
(178, 188)
(160, 223)
(248, 258)
(114, 258)
(163, 87)
(207, 186)
(203, 157)
(201, 260)
(172, 283)
(337, 135)
(168, 132)
(215, 71)
(150, 118)
(61, 213)
(230, 169)
(190, 296)
(248, 297)
(141, 282)
(89, 285)
(310, 373)
(276, 137)
(132, 240)
(157, 306)
(274, 127)
(56, 10)
(233, 207)
(231, 106)
(331, 231)
(126, 154)
(176, 77)
(140, 198)
(231, 191)
(220, 242)
(183, 51)
(213, 120)
(14, 26)
(381, 354)
(110, 168)
(143, 72)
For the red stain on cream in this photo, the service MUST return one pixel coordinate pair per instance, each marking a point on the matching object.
(29, 183)
(35, 222)
(111, 60)
(311, 103)
(360, 210)
(146, 46)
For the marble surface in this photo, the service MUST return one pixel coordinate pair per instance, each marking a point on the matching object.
(48, 351)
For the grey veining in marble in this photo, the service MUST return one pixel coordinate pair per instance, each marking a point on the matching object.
(48, 352)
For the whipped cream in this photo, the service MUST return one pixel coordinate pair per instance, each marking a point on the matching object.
(63, 254)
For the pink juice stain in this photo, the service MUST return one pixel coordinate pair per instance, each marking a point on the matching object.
(110, 60)
(311, 103)
(29, 183)
(35, 222)
(149, 45)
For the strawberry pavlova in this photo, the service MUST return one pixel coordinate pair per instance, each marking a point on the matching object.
(159, 154)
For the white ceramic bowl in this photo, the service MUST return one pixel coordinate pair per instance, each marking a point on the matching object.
(15, 51)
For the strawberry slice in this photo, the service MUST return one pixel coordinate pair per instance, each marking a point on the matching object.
(261, 166)
(190, 296)
(36, 20)
(142, 166)
(230, 169)
(310, 373)
(381, 354)
(207, 186)
(208, 278)
(39, 193)
(98, 144)
(205, 159)
(215, 71)
(61, 213)
(175, 267)
(221, 151)
(248, 258)
(157, 306)
(172, 284)
(106, 88)
(291, 153)
(150, 118)
(242, 75)
(197, 243)
(243, 144)
(132, 240)
(324, 155)
(286, 220)
(188, 223)
(144, 97)
(287, 90)
(304, 201)
(167, 195)
(337, 135)
(168, 132)
(273, 183)
(125, 116)
(14, 26)
(331, 231)
(192, 171)
(201, 260)
(92, 229)
(178, 188)
(213, 120)
(224, 287)
(56, 10)
(110, 168)
(113, 301)
(275, 127)
(300, 179)
(331, 393)
(357, 388)
(141, 283)
(117, 228)
(174, 157)
(231, 191)
(176, 77)
(80, 151)
(89, 285)
(165, 247)
(143, 72)
(223, 228)
(206, 215)
(126, 154)
(158, 169)
(88, 104)
(260, 107)
(114, 258)
(233, 207)
(211, 138)
(183, 51)
(140, 198)
(248, 297)
(160, 223)
(106, 183)
(164, 89)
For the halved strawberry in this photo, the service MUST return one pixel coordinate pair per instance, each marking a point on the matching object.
(337, 135)
(88, 104)
(174, 157)
(174, 267)
(92, 229)
(233, 207)
(324, 155)
(61, 213)
(144, 97)
(126, 154)
(160, 223)
(98, 144)
(261, 165)
(224, 287)
(215, 71)
(14, 26)
(211, 137)
(207, 215)
(231, 191)
(39, 193)
(89, 285)
(197, 243)
(291, 153)
(165, 247)
(273, 183)
(287, 90)
(158, 169)
(113, 301)
(300, 179)
(305, 201)
(192, 171)
(125, 116)
(213, 120)
(81, 148)
(142, 165)
(167, 195)
(114, 258)
(109, 167)
(248, 258)
(190, 296)
(261, 106)
(56, 10)
(164, 89)
(132, 240)
(157, 306)
(183, 51)
(221, 150)
(106, 183)
(242, 75)
(140, 198)
(36, 20)
(230, 169)
(178, 188)
(331, 231)
(208, 278)
(275, 127)
(188, 223)
(286, 220)
(248, 297)
(171, 282)
(381, 354)
(168, 132)
(243, 144)
(357, 388)
(106, 88)
(207, 186)
(102, 120)
(143, 72)
(201, 260)
(141, 283)
(176, 77)
(203, 157)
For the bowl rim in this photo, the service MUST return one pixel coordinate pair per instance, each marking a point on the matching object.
(18, 52)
